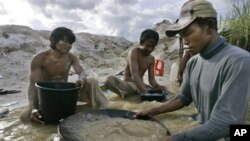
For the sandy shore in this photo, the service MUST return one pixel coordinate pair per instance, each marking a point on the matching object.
(14, 100)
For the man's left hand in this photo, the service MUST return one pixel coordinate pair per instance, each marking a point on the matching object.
(80, 82)
(163, 88)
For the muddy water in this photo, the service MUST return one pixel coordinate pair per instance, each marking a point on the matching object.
(112, 129)
(12, 129)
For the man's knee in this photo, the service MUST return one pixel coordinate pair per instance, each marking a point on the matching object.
(110, 80)
(91, 80)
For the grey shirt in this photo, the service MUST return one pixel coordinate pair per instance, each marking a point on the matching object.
(218, 82)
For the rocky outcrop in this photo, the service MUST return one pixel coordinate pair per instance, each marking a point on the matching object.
(13, 37)
(97, 50)
(161, 27)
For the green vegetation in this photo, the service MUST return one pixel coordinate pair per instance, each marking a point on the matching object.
(238, 24)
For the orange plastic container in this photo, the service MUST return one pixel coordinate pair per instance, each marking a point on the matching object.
(159, 68)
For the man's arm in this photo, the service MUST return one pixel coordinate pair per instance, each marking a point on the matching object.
(169, 106)
(35, 75)
(134, 69)
(151, 77)
(79, 70)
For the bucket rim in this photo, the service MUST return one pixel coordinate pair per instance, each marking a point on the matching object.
(53, 89)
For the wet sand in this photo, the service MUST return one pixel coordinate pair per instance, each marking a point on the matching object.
(11, 128)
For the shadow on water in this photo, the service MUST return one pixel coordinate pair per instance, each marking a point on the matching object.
(12, 129)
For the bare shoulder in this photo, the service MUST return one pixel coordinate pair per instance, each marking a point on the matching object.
(40, 56)
(151, 59)
(73, 59)
(72, 56)
(133, 51)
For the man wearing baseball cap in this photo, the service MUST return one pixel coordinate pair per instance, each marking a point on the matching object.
(216, 79)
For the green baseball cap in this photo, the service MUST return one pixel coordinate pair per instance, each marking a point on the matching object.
(191, 10)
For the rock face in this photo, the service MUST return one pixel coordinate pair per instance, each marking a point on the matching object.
(161, 27)
(168, 47)
(97, 51)
(20, 38)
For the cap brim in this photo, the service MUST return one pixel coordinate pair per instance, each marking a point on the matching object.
(175, 28)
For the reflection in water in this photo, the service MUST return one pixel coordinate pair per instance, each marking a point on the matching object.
(11, 128)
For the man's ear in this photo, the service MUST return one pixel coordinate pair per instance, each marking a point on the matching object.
(209, 27)
(209, 30)
(212, 25)
(52, 42)
(141, 43)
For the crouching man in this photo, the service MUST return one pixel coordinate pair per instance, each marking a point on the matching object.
(54, 65)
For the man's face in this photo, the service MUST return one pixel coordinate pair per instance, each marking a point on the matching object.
(148, 46)
(63, 46)
(195, 38)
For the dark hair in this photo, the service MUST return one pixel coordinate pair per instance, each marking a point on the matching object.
(147, 34)
(210, 22)
(61, 33)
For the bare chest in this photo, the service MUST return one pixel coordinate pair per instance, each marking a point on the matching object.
(143, 64)
(56, 69)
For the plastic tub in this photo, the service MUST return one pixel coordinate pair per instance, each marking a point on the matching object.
(56, 100)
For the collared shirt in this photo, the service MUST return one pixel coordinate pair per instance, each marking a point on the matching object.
(218, 82)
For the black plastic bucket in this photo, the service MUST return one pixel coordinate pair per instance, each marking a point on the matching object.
(56, 100)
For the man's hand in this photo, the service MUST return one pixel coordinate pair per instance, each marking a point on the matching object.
(36, 116)
(144, 113)
(80, 82)
(163, 88)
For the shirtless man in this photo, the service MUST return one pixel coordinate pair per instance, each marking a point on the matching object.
(54, 65)
(139, 60)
